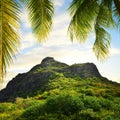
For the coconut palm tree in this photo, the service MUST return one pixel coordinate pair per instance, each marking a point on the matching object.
(94, 16)
(40, 11)
(9, 38)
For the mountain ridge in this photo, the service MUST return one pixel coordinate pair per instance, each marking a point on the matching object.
(38, 77)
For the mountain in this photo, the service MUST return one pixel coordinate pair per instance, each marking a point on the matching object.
(56, 91)
(27, 84)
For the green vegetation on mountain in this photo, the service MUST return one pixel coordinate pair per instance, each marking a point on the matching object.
(61, 94)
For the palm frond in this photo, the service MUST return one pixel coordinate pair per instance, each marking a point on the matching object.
(40, 14)
(83, 14)
(102, 43)
(116, 16)
(103, 21)
(108, 3)
(9, 38)
(117, 5)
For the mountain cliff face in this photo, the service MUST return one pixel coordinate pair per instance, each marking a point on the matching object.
(37, 78)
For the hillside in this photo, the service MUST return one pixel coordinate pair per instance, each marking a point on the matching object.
(56, 91)
(25, 84)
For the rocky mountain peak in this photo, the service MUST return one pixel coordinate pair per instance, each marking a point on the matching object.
(51, 62)
(39, 76)
(47, 60)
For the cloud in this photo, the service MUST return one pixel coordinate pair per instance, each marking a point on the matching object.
(114, 51)
(58, 2)
(28, 40)
(24, 17)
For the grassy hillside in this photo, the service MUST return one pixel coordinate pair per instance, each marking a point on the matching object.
(67, 98)
(56, 91)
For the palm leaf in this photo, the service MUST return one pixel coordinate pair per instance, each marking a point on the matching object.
(9, 38)
(102, 43)
(89, 15)
(116, 16)
(40, 14)
(83, 14)
(104, 20)
(117, 5)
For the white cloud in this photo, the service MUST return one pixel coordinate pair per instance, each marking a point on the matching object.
(58, 2)
(114, 51)
(28, 40)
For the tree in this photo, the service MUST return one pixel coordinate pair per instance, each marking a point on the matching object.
(40, 11)
(9, 38)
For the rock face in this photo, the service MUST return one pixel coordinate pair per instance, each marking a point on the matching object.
(85, 70)
(26, 83)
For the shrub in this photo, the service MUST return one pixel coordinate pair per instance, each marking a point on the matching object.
(88, 114)
(89, 92)
(60, 106)
(25, 103)
(92, 102)
(64, 104)
(33, 112)
(106, 104)
(4, 107)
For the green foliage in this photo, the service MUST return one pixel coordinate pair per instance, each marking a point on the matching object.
(9, 37)
(94, 16)
(40, 14)
(89, 92)
(67, 98)
(65, 104)
(25, 103)
(6, 107)
(92, 102)
(9, 111)
(88, 114)
(33, 112)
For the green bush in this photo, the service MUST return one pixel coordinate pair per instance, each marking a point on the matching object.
(92, 102)
(89, 92)
(4, 107)
(88, 114)
(33, 112)
(64, 104)
(25, 103)
(106, 104)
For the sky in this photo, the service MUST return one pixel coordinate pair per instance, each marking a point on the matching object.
(59, 46)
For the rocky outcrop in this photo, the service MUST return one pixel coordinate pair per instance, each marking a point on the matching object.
(85, 70)
(36, 79)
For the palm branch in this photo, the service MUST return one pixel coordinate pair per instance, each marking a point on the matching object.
(93, 15)
(9, 37)
(40, 14)
(103, 21)
(83, 13)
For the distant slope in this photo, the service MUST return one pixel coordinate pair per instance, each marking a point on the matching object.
(39, 78)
